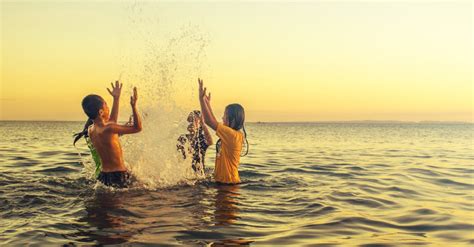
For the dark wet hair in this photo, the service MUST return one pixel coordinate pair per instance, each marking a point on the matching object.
(236, 119)
(91, 104)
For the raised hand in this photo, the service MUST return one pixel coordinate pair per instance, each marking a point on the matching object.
(204, 100)
(116, 89)
(207, 98)
(134, 97)
(202, 92)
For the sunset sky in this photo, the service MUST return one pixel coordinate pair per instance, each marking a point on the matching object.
(294, 61)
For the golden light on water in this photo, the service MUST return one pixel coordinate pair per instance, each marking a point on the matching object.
(282, 61)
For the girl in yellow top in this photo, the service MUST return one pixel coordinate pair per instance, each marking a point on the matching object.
(229, 146)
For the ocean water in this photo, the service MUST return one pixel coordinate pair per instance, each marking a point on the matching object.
(311, 184)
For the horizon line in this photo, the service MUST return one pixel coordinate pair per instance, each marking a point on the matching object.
(273, 122)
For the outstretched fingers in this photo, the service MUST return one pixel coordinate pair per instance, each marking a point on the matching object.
(118, 85)
(200, 85)
(115, 89)
(111, 91)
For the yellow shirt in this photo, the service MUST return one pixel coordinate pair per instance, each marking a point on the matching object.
(228, 158)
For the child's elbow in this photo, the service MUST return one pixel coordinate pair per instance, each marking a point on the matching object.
(138, 128)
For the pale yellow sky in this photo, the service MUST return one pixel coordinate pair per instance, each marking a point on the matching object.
(294, 61)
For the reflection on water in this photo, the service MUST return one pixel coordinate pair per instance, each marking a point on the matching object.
(115, 217)
(227, 212)
(226, 205)
(103, 214)
(215, 213)
(303, 184)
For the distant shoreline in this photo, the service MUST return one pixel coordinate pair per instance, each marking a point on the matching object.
(295, 122)
(371, 122)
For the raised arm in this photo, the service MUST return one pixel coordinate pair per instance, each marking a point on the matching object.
(137, 122)
(206, 109)
(115, 92)
(207, 134)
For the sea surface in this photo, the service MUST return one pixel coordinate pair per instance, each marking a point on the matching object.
(303, 184)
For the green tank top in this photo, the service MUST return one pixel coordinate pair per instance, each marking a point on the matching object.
(95, 157)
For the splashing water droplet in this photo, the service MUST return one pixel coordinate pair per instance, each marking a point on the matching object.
(165, 75)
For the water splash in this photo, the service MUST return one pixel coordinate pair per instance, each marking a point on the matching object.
(164, 67)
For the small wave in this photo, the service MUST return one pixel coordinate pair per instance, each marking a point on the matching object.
(447, 181)
(357, 222)
(403, 190)
(50, 153)
(370, 203)
(424, 171)
(252, 174)
(59, 169)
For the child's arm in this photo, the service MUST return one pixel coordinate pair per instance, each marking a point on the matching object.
(207, 134)
(206, 109)
(115, 92)
(137, 122)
